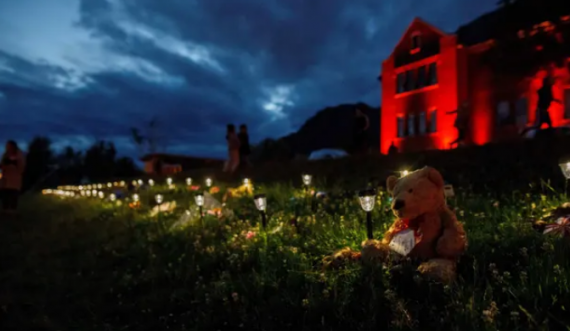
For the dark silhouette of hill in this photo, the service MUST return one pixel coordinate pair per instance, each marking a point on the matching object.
(331, 127)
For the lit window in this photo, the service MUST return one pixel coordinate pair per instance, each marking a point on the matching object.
(432, 80)
(401, 127)
(422, 125)
(567, 103)
(421, 81)
(416, 41)
(432, 121)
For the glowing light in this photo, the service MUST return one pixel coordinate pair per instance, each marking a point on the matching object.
(199, 199)
(112, 197)
(260, 201)
(140, 182)
(151, 182)
(367, 199)
(246, 181)
(109, 184)
(169, 181)
(405, 173)
(208, 182)
(158, 198)
(101, 195)
(307, 179)
(189, 181)
(136, 197)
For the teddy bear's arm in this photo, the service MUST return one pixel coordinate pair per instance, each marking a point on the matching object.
(453, 240)
(389, 234)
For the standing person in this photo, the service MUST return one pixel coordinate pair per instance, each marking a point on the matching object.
(233, 149)
(461, 123)
(545, 99)
(392, 150)
(361, 125)
(12, 164)
(244, 148)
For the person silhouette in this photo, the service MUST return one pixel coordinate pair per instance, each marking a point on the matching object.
(461, 122)
(392, 149)
(545, 99)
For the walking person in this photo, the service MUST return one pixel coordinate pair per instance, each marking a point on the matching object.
(244, 147)
(361, 125)
(233, 149)
(545, 99)
(461, 123)
(12, 165)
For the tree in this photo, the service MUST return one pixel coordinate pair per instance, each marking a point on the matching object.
(148, 142)
(70, 166)
(39, 161)
(99, 163)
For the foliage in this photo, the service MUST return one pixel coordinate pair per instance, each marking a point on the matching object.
(92, 265)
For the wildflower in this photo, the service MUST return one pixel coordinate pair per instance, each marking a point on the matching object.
(250, 235)
(195, 188)
(305, 302)
(214, 190)
(496, 204)
(489, 314)
(557, 270)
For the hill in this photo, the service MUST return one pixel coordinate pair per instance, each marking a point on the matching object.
(329, 128)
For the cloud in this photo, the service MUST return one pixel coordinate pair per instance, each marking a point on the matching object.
(91, 69)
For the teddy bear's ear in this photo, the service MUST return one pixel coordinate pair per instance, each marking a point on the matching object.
(391, 183)
(434, 176)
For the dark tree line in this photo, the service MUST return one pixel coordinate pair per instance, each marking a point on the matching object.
(99, 163)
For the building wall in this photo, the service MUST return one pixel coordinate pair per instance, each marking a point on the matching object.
(440, 98)
(462, 77)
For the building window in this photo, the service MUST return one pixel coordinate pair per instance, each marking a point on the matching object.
(416, 41)
(567, 103)
(401, 127)
(421, 81)
(433, 121)
(503, 112)
(411, 125)
(401, 82)
(432, 74)
(409, 81)
(422, 129)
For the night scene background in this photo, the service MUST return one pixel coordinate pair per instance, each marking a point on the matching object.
(79, 71)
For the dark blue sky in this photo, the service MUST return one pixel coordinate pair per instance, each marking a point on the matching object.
(80, 70)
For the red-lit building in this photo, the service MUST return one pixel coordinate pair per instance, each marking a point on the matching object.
(431, 73)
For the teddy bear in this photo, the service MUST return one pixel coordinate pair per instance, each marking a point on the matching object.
(433, 234)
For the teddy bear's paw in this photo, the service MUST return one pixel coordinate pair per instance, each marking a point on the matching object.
(441, 270)
(374, 251)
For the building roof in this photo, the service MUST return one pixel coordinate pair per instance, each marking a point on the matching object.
(520, 15)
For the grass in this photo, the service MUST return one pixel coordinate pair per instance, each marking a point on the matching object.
(86, 264)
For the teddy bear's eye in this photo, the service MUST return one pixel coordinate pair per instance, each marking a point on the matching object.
(411, 190)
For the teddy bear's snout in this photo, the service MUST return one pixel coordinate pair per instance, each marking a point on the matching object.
(398, 204)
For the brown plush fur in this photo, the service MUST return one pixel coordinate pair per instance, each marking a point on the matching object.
(443, 239)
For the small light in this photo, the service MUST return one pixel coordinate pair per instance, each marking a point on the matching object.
(122, 183)
(246, 181)
(158, 198)
(99, 186)
(169, 181)
(307, 179)
(136, 197)
(82, 193)
(109, 184)
(134, 183)
(112, 197)
(94, 193)
(405, 173)
(88, 193)
(72, 194)
(188, 181)
(151, 182)
(367, 199)
(140, 182)
(565, 167)
(101, 195)
(208, 182)
(260, 201)
(199, 199)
